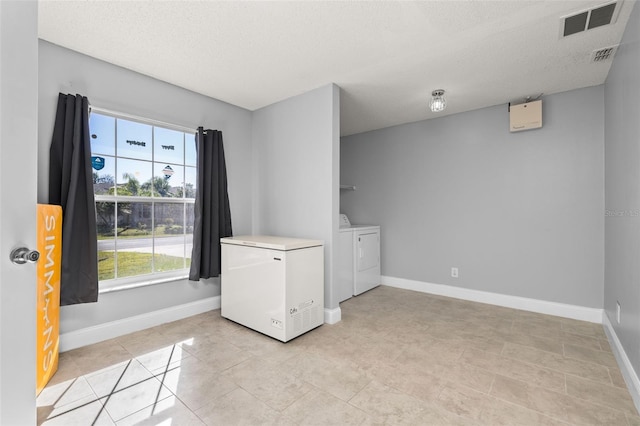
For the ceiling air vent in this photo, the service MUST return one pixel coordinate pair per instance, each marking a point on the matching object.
(589, 19)
(604, 54)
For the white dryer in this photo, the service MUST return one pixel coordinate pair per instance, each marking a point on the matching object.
(358, 258)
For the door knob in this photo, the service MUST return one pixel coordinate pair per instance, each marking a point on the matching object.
(22, 255)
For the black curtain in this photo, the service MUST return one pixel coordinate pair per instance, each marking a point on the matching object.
(71, 186)
(212, 213)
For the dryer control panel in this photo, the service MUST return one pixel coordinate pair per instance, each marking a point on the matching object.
(344, 221)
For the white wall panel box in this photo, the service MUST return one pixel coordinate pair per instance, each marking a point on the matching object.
(525, 116)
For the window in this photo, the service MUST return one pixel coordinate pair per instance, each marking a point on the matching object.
(144, 181)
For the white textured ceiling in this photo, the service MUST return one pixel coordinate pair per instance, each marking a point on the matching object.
(386, 56)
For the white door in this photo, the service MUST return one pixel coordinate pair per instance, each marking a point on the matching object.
(367, 271)
(368, 251)
(18, 163)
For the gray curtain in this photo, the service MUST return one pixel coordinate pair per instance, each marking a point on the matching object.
(71, 186)
(212, 213)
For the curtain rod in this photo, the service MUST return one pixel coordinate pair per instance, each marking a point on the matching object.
(142, 119)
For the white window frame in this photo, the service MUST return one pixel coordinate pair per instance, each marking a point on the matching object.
(125, 283)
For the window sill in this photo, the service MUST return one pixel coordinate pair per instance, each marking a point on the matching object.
(120, 285)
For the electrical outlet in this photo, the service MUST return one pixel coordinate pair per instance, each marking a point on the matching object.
(618, 311)
(454, 272)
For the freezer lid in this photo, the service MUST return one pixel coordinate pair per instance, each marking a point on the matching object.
(271, 242)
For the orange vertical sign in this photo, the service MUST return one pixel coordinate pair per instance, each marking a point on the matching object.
(49, 230)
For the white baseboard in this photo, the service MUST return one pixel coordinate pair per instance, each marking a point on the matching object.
(90, 335)
(332, 316)
(523, 303)
(629, 374)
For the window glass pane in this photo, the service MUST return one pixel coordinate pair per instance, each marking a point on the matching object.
(168, 146)
(104, 175)
(103, 134)
(169, 237)
(130, 158)
(134, 139)
(167, 180)
(189, 218)
(190, 182)
(190, 158)
(106, 225)
(134, 241)
(134, 177)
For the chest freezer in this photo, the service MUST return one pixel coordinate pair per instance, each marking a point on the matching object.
(274, 285)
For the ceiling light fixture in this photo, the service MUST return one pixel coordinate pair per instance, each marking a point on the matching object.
(437, 102)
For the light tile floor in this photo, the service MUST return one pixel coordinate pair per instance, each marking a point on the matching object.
(397, 357)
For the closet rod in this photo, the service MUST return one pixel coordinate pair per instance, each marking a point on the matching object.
(142, 119)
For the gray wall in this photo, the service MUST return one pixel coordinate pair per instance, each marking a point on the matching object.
(622, 184)
(296, 149)
(519, 213)
(118, 89)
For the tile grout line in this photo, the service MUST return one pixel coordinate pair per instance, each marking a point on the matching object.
(602, 366)
(531, 409)
(491, 385)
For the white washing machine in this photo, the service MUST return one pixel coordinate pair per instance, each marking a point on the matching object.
(358, 258)
(274, 285)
